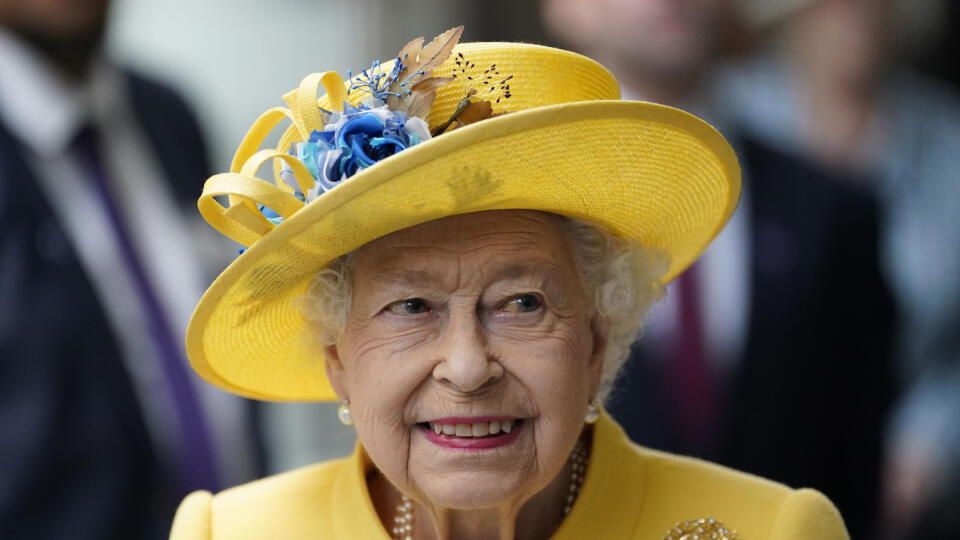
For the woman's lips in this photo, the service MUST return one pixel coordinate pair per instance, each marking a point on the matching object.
(479, 433)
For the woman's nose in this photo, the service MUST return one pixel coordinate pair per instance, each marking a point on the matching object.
(464, 357)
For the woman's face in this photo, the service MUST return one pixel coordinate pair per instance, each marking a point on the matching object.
(477, 324)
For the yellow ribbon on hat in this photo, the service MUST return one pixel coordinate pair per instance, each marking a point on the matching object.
(241, 218)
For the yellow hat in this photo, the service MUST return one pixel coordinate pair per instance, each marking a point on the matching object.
(568, 146)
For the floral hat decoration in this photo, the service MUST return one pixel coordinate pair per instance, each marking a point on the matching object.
(444, 128)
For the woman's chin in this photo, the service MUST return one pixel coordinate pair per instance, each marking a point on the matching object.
(470, 490)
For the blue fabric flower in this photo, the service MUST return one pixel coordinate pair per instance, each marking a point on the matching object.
(351, 141)
(363, 142)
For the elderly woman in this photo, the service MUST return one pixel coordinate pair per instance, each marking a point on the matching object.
(469, 294)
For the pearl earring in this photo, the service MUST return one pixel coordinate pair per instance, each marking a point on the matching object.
(593, 411)
(343, 412)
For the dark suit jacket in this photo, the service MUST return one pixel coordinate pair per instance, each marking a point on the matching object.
(75, 458)
(806, 402)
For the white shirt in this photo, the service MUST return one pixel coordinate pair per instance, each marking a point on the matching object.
(45, 111)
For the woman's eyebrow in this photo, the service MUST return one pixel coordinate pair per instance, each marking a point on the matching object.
(404, 276)
(544, 269)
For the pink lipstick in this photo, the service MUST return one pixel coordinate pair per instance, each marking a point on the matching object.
(473, 433)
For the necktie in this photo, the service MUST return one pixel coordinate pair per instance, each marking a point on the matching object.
(690, 373)
(196, 458)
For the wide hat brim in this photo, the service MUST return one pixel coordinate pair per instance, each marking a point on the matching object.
(646, 172)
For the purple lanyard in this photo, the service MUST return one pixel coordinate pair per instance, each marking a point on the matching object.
(196, 458)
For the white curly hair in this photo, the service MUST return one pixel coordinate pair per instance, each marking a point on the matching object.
(622, 278)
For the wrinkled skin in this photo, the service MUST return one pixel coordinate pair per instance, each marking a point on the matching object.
(471, 315)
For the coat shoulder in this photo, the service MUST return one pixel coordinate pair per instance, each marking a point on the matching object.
(192, 521)
(807, 513)
(688, 489)
(296, 499)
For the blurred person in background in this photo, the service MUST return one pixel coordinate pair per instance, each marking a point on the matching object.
(770, 355)
(833, 83)
(101, 428)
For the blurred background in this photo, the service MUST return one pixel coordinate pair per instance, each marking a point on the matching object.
(816, 343)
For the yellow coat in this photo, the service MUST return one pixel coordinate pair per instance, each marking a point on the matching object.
(629, 492)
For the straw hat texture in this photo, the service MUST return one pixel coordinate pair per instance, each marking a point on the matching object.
(558, 140)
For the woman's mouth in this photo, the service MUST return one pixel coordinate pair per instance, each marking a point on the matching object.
(472, 433)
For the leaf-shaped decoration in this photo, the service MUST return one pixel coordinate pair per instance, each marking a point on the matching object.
(411, 50)
(409, 53)
(476, 111)
(421, 96)
(436, 52)
(423, 60)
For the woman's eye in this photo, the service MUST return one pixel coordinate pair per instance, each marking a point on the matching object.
(523, 303)
(410, 306)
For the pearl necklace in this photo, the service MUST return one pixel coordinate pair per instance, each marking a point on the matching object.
(403, 521)
(578, 470)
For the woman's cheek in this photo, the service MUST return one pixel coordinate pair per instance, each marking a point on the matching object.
(385, 440)
(385, 373)
(559, 342)
(553, 368)
(377, 345)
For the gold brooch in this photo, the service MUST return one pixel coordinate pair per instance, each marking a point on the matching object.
(701, 529)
